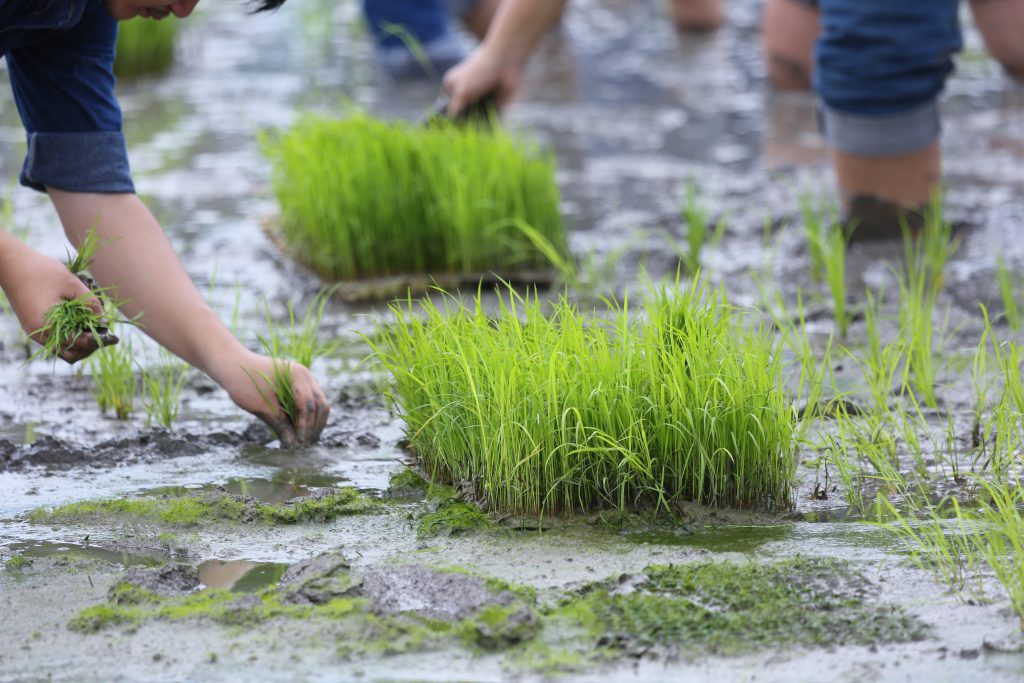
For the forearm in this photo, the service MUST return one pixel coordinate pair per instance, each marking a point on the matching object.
(518, 27)
(137, 262)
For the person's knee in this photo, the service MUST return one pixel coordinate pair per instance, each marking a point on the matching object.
(1001, 24)
(789, 30)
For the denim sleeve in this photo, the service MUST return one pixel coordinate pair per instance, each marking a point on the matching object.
(879, 67)
(63, 83)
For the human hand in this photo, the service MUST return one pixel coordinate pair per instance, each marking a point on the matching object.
(479, 76)
(35, 283)
(250, 380)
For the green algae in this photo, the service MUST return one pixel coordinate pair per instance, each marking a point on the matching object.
(498, 627)
(17, 563)
(731, 608)
(407, 481)
(130, 604)
(453, 518)
(214, 506)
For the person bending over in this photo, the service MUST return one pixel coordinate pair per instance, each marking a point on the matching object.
(60, 56)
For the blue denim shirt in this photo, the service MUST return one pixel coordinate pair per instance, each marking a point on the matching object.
(60, 57)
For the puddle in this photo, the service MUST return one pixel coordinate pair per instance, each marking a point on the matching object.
(50, 550)
(726, 539)
(240, 576)
(272, 491)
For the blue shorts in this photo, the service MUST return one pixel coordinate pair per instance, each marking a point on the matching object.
(424, 20)
(60, 58)
(879, 67)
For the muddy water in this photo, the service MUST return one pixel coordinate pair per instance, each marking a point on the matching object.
(635, 113)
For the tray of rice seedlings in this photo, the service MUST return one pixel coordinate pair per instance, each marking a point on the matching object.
(383, 208)
(144, 46)
(621, 408)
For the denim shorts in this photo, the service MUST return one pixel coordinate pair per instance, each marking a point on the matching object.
(60, 59)
(424, 20)
(879, 67)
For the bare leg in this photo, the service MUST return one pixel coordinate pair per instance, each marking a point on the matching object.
(697, 15)
(789, 30)
(878, 191)
(1001, 23)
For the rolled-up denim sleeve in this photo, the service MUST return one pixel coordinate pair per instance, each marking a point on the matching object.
(879, 67)
(63, 85)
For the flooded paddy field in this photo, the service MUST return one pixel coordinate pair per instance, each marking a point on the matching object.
(204, 552)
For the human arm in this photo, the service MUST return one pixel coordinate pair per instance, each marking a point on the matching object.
(34, 283)
(496, 67)
(136, 261)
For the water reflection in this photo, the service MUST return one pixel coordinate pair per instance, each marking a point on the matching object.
(240, 575)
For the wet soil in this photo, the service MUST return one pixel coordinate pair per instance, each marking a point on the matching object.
(635, 112)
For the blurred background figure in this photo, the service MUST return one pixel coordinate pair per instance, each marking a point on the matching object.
(416, 38)
(877, 68)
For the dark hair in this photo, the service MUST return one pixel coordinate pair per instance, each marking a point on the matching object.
(267, 5)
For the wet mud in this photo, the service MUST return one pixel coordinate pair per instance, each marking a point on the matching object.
(411, 591)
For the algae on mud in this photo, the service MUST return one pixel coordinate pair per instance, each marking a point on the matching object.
(682, 610)
(212, 507)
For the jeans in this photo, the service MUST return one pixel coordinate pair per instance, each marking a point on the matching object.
(879, 68)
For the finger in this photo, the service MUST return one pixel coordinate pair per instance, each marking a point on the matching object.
(305, 420)
(323, 412)
(79, 348)
(281, 426)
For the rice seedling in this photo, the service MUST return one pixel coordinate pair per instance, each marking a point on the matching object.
(300, 341)
(957, 549)
(572, 412)
(281, 394)
(80, 262)
(144, 46)
(1010, 286)
(67, 321)
(115, 383)
(698, 231)
(834, 251)
(162, 390)
(814, 229)
(366, 198)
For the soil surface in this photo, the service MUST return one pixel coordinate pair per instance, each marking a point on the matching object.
(635, 113)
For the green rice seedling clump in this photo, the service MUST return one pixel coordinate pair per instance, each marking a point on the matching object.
(115, 383)
(67, 321)
(162, 387)
(365, 198)
(144, 46)
(571, 412)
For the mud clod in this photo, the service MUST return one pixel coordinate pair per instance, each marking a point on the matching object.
(167, 581)
(449, 596)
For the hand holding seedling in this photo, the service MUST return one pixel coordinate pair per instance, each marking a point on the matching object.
(40, 287)
(282, 394)
(496, 68)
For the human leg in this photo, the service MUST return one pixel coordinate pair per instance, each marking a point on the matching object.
(697, 15)
(878, 70)
(789, 29)
(1001, 23)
